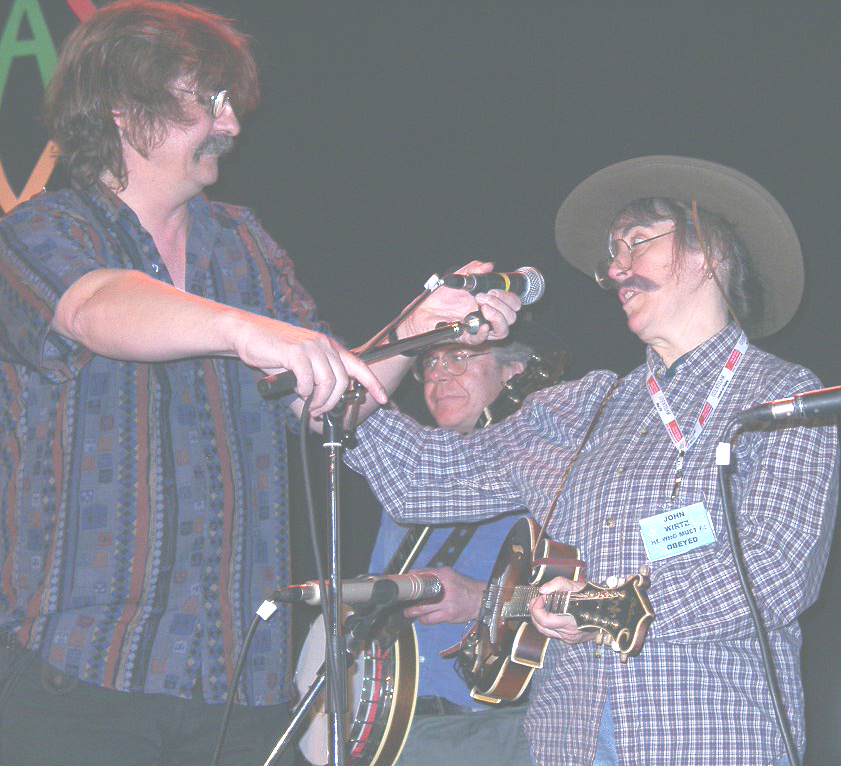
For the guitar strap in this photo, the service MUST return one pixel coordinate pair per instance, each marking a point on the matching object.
(415, 539)
(565, 476)
(452, 547)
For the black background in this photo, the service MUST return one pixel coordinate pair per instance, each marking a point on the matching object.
(397, 139)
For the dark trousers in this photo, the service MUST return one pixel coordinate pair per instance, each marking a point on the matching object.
(48, 718)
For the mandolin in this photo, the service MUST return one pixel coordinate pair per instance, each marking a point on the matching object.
(503, 649)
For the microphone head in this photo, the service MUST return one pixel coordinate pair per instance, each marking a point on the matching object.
(535, 284)
(425, 586)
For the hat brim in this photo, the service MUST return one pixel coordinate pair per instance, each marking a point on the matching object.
(585, 217)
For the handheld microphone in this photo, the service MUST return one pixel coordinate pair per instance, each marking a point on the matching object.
(822, 402)
(373, 589)
(527, 282)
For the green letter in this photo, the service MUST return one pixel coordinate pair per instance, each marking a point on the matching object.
(41, 45)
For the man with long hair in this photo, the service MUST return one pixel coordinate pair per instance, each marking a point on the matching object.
(143, 481)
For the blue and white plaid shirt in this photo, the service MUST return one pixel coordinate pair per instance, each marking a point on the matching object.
(696, 694)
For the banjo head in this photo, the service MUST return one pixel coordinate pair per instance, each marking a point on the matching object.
(382, 688)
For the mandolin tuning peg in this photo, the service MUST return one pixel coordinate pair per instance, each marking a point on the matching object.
(599, 636)
(645, 570)
(623, 658)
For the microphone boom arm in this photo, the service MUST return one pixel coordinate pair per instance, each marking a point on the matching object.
(283, 383)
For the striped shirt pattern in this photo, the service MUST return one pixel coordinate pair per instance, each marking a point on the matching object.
(696, 694)
(144, 506)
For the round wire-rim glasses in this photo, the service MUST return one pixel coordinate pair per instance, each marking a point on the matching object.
(453, 361)
(618, 247)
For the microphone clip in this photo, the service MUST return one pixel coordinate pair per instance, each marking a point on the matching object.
(433, 283)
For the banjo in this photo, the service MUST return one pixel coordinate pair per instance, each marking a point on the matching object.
(382, 688)
(382, 681)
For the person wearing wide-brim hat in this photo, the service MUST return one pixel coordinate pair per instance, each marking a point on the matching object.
(771, 251)
(624, 469)
(702, 257)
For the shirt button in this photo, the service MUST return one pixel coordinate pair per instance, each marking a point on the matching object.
(644, 430)
(620, 471)
(610, 522)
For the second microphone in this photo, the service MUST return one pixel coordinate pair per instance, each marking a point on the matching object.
(373, 589)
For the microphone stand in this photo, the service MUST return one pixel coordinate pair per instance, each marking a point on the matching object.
(336, 647)
(724, 466)
(358, 627)
(335, 438)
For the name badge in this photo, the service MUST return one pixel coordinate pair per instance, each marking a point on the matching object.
(677, 531)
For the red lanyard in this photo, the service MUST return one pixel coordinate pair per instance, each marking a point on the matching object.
(679, 439)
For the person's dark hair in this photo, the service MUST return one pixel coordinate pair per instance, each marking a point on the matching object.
(126, 58)
(736, 272)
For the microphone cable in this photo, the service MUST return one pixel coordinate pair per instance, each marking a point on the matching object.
(255, 622)
(229, 703)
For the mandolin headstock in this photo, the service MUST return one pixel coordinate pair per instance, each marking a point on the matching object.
(621, 615)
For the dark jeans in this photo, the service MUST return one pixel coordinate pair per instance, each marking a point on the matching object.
(48, 718)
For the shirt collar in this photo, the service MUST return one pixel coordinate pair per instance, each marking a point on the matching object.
(703, 360)
(204, 226)
(114, 208)
(106, 201)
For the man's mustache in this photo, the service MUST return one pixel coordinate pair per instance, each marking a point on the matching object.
(219, 144)
(637, 282)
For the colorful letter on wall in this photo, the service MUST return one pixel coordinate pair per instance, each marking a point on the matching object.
(42, 47)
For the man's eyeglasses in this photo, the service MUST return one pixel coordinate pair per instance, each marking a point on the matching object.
(620, 248)
(453, 361)
(216, 102)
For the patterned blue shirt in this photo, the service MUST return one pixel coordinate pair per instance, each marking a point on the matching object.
(144, 506)
(696, 694)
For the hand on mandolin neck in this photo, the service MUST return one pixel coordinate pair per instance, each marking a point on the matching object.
(549, 610)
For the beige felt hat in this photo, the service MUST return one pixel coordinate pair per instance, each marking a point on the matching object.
(585, 217)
